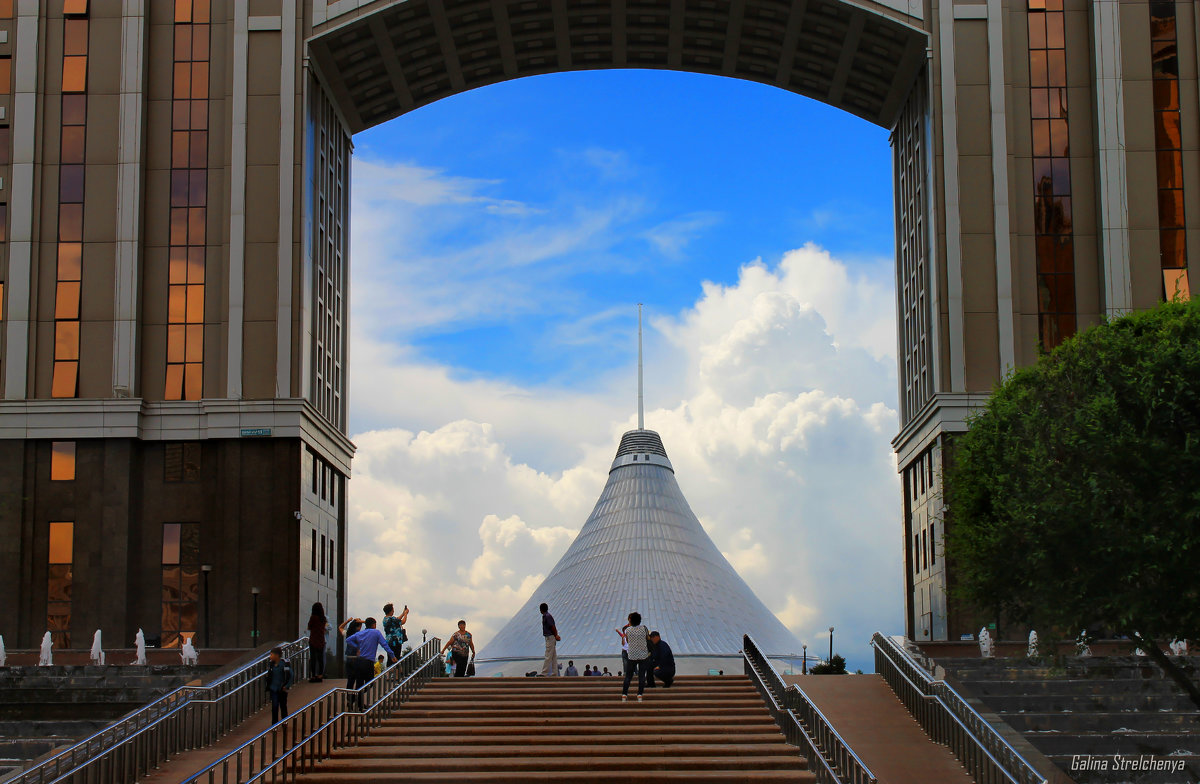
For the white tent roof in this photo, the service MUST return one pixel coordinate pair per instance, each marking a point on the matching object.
(643, 549)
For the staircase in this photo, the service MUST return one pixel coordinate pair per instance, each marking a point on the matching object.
(1098, 706)
(703, 729)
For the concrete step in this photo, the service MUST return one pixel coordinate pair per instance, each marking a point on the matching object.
(631, 716)
(582, 747)
(561, 765)
(662, 702)
(726, 775)
(1093, 703)
(632, 708)
(693, 693)
(536, 724)
(561, 737)
(1104, 722)
(1070, 686)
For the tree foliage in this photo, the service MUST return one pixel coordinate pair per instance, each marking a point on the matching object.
(1074, 497)
(835, 666)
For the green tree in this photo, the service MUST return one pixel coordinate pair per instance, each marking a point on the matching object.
(835, 666)
(1074, 497)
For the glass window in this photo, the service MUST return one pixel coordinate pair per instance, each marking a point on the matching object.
(1, 300)
(70, 183)
(3, 222)
(6, 9)
(5, 146)
(75, 37)
(75, 7)
(62, 460)
(313, 549)
(332, 550)
(73, 137)
(63, 382)
(61, 542)
(322, 554)
(181, 462)
(180, 582)
(5, 74)
(74, 79)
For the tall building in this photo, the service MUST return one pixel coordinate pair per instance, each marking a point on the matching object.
(174, 252)
(641, 549)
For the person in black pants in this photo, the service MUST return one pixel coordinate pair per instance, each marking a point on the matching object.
(662, 661)
(637, 637)
(279, 682)
(460, 644)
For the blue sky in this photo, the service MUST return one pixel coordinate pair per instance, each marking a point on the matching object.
(698, 173)
(500, 241)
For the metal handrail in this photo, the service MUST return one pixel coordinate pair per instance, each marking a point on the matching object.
(188, 717)
(334, 721)
(950, 720)
(829, 756)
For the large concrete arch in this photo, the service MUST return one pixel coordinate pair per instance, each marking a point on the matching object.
(387, 58)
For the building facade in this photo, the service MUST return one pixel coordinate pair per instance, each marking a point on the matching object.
(174, 218)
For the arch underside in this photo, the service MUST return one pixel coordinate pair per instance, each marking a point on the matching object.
(389, 58)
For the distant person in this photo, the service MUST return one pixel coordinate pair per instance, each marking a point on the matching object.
(550, 633)
(595, 671)
(379, 666)
(460, 645)
(366, 641)
(393, 627)
(663, 667)
(606, 673)
(587, 670)
(637, 637)
(279, 683)
(348, 629)
(318, 631)
(571, 671)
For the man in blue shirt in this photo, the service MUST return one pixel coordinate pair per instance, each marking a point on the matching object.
(550, 632)
(663, 661)
(360, 653)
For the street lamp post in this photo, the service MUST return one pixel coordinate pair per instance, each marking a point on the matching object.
(204, 570)
(831, 645)
(254, 631)
(423, 633)
(804, 661)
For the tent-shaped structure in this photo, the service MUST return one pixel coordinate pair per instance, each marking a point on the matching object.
(641, 549)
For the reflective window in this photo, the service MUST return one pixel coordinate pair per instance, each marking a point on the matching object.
(181, 461)
(71, 181)
(3, 222)
(1168, 139)
(62, 460)
(1051, 172)
(6, 9)
(180, 582)
(188, 202)
(59, 567)
(5, 74)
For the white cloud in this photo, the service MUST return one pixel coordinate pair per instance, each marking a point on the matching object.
(774, 397)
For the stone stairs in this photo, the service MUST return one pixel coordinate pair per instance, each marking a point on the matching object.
(703, 729)
(1097, 706)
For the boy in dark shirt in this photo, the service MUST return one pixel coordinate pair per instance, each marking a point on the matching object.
(279, 683)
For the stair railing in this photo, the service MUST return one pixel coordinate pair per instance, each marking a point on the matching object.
(339, 719)
(187, 718)
(829, 757)
(950, 720)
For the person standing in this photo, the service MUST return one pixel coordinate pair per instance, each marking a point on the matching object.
(637, 637)
(318, 630)
(361, 666)
(279, 683)
(550, 632)
(348, 629)
(571, 671)
(393, 627)
(663, 666)
(460, 645)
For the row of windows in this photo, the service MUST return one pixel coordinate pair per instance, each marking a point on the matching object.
(912, 242)
(181, 461)
(322, 479)
(188, 202)
(71, 175)
(1055, 246)
(320, 563)
(1169, 146)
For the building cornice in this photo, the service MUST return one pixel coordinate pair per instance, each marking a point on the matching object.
(946, 412)
(175, 420)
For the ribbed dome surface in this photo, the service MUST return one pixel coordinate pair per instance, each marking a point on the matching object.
(642, 549)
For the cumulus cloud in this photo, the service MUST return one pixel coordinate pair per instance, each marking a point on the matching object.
(775, 398)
